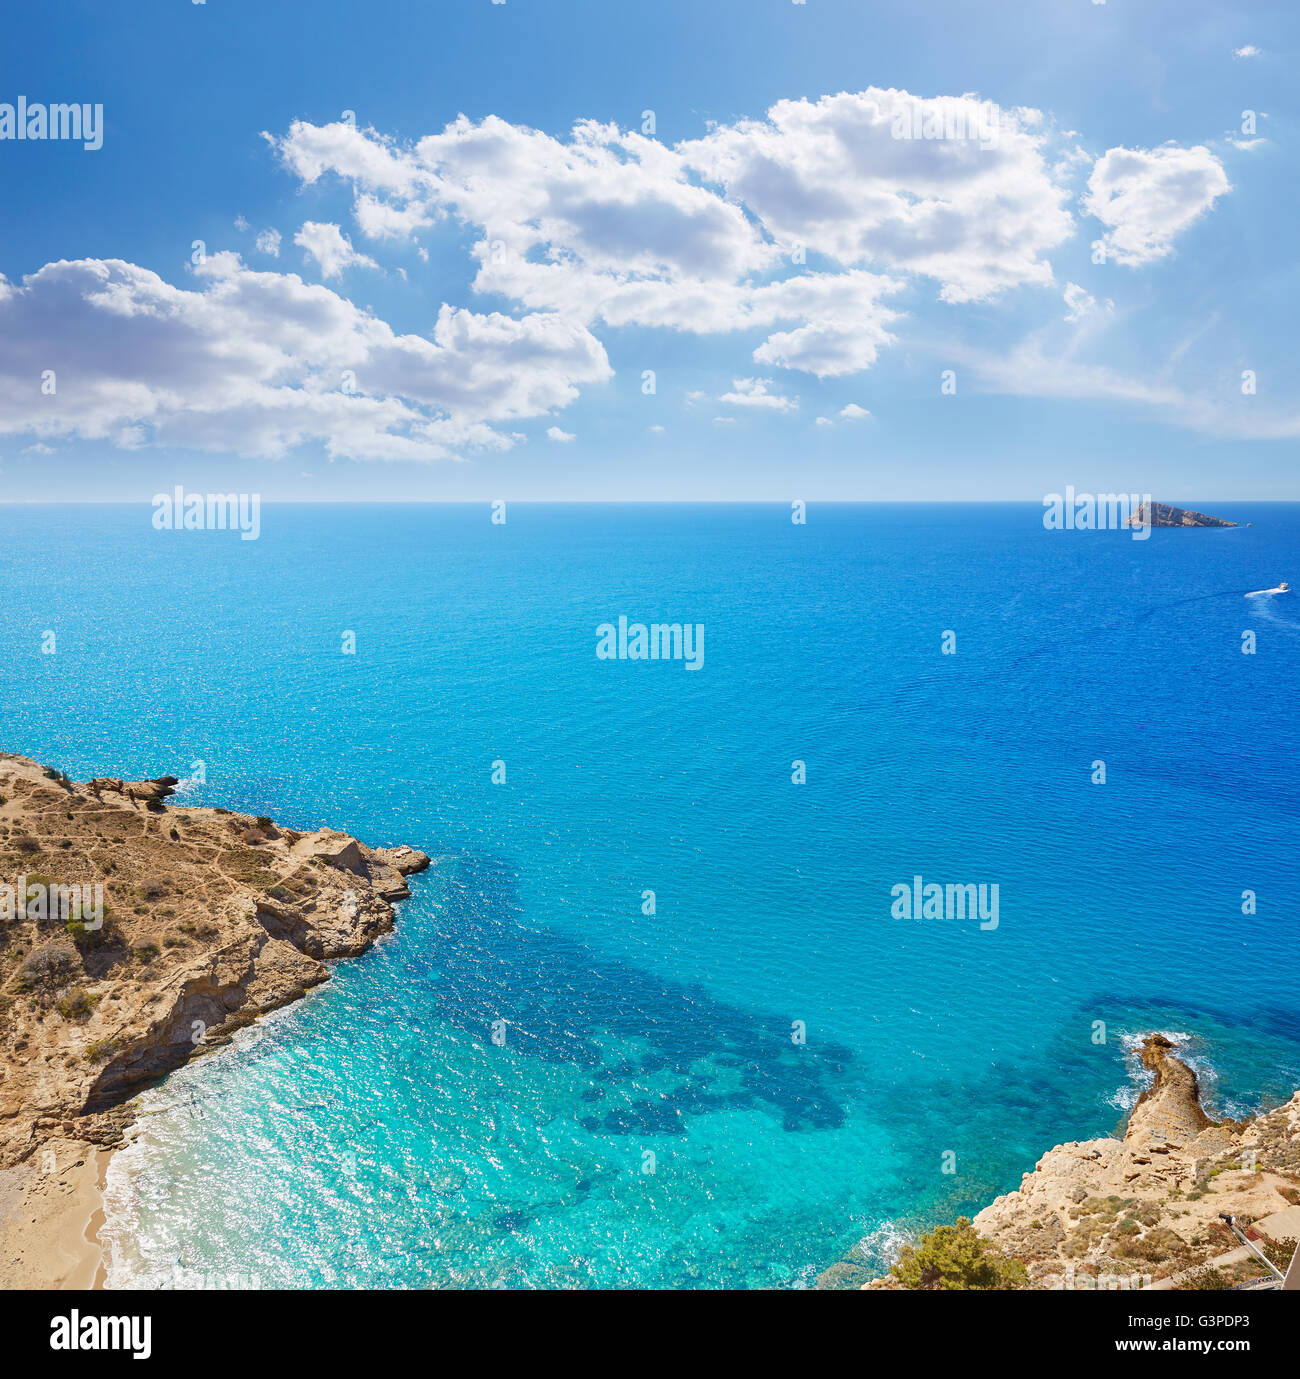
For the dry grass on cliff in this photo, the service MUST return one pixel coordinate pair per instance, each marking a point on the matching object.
(179, 886)
(165, 875)
(210, 919)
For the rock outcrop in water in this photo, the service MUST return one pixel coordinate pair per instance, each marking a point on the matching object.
(1163, 515)
(1144, 1209)
(210, 919)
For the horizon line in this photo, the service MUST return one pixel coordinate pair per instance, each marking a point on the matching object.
(663, 502)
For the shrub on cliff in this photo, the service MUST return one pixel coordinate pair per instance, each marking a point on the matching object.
(952, 1257)
(49, 967)
(88, 940)
(100, 1049)
(78, 1004)
(1205, 1280)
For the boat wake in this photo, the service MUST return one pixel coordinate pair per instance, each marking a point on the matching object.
(1264, 605)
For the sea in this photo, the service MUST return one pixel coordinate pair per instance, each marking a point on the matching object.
(660, 1014)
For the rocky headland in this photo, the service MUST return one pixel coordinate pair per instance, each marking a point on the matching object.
(209, 919)
(1142, 1209)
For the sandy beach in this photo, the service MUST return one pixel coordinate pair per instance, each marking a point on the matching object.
(51, 1210)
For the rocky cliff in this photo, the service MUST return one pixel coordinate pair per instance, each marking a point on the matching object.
(210, 918)
(1143, 1210)
(1148, 1204)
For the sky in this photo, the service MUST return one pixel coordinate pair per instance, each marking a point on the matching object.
(724, 250)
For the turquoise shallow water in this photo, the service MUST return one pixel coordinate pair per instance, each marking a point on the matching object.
(374, 1135)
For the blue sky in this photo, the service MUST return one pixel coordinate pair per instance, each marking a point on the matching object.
(770, 252)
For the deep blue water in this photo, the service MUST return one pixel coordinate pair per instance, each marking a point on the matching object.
(374, 1135)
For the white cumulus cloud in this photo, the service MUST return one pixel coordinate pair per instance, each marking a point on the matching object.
(331, 248)
(804, 228)
(753, 392)
(778, 224)
(833, 175)
(802, 223)
(257, 363)
(1146, 197)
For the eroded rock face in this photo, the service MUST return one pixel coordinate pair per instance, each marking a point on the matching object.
(1126, 1213)
(1170, 1109)
(1164, 515)
(1135, 1210)
(211, 919)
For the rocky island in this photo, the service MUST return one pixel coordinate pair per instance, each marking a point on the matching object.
(1164, 515)
(137, 933)
(1143, 1209)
